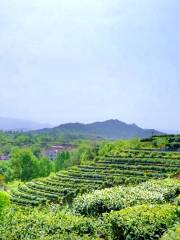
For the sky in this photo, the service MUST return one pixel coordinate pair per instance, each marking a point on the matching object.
(91, 60)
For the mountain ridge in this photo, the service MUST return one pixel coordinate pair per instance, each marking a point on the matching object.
(109, 129)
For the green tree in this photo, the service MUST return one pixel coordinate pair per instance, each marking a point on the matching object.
(36, 150)
(61, 160)
(23, 139)
(6, 171)
(24, 164)
(45, 167)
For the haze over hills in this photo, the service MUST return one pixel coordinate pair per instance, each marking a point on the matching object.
(110, 129)
(7, 124)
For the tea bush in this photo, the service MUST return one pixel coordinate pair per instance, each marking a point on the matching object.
(116, 198)
(47, 223)
(173, 234)
(146, 222)
(4, 201)
(177, 200)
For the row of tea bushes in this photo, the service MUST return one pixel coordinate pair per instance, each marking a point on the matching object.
(145, 154)
(143, 222)
(65, 186)
(140, 161)
(100, 201)
(45, 223)
(108, 171)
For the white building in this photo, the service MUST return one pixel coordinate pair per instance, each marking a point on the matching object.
(53, 151)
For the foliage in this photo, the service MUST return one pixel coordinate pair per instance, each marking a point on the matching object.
(46, 223)
(111, 170)
(121, 197)
(26, 166)
(98, 165)
(23, 164)
(177, 200)
(160, 142)
(61, 160)
(146, 222)
(4, 201)
(6, 170)
(44, 167)
(172, 234)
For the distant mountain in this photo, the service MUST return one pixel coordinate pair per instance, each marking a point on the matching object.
(7, 124)
(110, 129)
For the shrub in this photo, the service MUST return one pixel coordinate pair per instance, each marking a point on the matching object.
(69, 236)
(168, 187)
(177, 200)
(146, 222)
(117, 198)
(37, 223)
(4, 201)
(173, 234)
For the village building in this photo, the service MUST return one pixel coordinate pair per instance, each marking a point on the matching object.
(53, 151)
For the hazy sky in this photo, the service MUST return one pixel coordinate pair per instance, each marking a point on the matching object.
(87, 60)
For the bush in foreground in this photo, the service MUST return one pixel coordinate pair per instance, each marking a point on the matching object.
(143, 222)
(177, 200)
(116, 198)
(4, 201)
(43, 224)
(173, 234)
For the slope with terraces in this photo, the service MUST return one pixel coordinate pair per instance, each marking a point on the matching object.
(126, 167)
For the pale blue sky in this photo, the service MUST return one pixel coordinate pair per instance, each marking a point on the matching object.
(87, 60)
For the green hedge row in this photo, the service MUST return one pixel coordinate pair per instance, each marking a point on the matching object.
(161, 168)
(144, 222)
(47, 223)
(116, 198)
(115, 159)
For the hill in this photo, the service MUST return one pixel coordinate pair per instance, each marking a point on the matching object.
(110, 129)
(122, 193)
(13, 124)
(125, 167)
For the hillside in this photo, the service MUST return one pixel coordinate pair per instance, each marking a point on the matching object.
(122, 193)
(13, 124)
(110, 129)
(122, 168)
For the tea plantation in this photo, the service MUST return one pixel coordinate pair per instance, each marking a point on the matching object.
(146, 211)
(126, 167)
(125, 194)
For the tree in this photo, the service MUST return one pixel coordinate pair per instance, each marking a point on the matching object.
(36, 150)
(6, 171)
(24, 164)
(44, 166)
(23, 139)
(61, 160)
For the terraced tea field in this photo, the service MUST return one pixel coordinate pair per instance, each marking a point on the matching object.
(125, 167)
